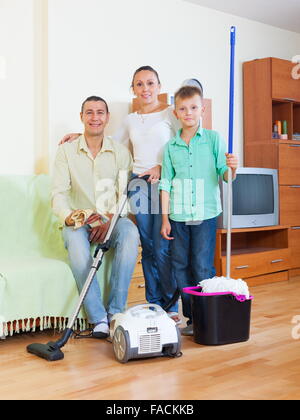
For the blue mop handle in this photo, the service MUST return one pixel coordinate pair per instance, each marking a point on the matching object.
(230, 148)
(231, 93)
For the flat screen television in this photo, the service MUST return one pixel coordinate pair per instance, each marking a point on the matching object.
(254, 199)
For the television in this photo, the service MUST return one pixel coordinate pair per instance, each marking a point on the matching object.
(254, 199)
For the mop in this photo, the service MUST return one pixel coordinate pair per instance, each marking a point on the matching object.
(226, 284)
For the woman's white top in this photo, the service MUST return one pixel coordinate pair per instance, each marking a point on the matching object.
(148, 135)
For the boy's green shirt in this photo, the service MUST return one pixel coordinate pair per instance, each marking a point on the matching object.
(191, 175)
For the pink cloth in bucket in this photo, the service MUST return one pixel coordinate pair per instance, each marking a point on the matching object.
(196, 291)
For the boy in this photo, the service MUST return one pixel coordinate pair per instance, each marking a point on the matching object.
(193, 161)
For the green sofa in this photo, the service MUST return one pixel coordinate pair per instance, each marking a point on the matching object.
(37, 287)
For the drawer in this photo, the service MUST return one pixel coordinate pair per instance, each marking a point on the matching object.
(289, 164)
(136, 292)
(290, 205)
(294, 243)
(250, 265)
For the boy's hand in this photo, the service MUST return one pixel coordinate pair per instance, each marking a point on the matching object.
(166, 230)
(232, 161)
(68, 138)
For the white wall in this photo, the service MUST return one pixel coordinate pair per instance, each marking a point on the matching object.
(94, 46)
(17, 91)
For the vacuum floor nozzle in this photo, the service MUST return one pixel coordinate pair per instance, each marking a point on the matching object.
(49, 351)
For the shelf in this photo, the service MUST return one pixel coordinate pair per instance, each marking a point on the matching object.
(283, 111)
(250, 251)
(283, 100)
(254, 241)
(260, 229)
(288, 141)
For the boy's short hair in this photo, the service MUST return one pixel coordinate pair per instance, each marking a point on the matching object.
(94, 99)
(187, 92)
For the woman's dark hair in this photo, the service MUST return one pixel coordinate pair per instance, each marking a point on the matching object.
(94, 99)
(145, 68)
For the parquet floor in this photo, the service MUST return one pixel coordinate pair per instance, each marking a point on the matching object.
(265, 367)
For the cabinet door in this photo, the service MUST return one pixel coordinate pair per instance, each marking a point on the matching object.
(284, 85)
(290, 205)
(289, 164)
(294, 242)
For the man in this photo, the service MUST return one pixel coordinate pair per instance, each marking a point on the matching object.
(87, 174)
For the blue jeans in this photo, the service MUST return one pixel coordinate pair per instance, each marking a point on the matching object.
(193, 251)
(156, 257)
(125, 241)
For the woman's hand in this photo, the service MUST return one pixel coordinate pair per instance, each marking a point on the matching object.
(68, 138)
(166, 230)
(154, 174)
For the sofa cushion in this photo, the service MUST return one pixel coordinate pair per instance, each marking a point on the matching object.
(27, 224)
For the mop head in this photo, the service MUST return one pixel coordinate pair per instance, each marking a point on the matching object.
(223, 284)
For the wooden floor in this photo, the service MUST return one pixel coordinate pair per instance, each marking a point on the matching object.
(265, 367)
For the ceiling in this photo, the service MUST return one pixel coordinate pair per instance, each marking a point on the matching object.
(283, 14)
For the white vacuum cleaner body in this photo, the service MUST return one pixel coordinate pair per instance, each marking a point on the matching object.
(144, 331)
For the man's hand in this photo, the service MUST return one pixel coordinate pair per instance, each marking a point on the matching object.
(93, 218)
(98, 233)
(69, 221)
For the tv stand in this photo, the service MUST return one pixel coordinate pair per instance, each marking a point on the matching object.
(258, 255)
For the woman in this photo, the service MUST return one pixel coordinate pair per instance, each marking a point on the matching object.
(147, 131)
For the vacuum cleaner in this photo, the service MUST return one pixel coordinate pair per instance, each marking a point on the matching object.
(142, 331)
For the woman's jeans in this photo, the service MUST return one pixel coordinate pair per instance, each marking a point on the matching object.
(193, 251)
(125, 241)
(156, 258)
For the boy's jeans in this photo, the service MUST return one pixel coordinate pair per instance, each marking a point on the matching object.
(125, 241)
(156, 257)
(193, 251)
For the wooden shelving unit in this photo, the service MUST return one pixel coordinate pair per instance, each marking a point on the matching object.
(271, 94)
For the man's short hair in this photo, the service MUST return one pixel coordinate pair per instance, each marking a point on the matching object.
(188, 92)
(94, 99)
